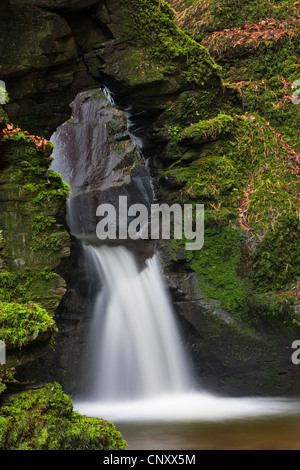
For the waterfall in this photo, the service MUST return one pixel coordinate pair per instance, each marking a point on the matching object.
(134, 346)
(138, 367)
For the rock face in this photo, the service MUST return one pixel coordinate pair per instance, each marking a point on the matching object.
(34, 239)
(229, 357)
(44, 47)
(95, 155)
(64, 47)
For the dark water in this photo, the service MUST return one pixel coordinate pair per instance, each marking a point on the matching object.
(264, 433)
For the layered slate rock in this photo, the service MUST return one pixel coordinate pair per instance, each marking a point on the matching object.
(97, 158)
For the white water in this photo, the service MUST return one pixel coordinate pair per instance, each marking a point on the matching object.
(186, 407)
(134, 342)
(140, 372)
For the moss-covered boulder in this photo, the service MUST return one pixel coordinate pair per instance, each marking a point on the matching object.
(21, 324)
(43, 419)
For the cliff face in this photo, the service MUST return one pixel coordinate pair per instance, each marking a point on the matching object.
(214, 135)
(64, 47)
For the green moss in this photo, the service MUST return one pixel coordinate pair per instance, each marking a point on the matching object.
(31, 193)
(3, 117)
(275, 59)
(46, 191)
(4, 95)
(44, 234)
(276, 260)
(20, 324)
(141, 69)
(28, 168)
(203, 131)
(44, 420)
(228, 152)
(241, 171)
(207, 16)
(272, 100)
(166, 51)
(6, 377)
(217, 267)
(32, 242)
(235, 155)
(39, 286)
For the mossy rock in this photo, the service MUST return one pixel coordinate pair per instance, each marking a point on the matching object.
(22, 324)
(160, 52)
(272, 99)
(33, 205)
(200, 18)
(33, 241)
(241, 170)
(257, 58)
(44, 419)
(3, 117)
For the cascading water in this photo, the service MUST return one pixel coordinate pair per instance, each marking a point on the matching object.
(139, 370)
(135, 340)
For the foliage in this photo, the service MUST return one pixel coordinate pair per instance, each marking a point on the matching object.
(252, 37)
(44, 235)
(4, 95)
(30, 286)
(16, 134)
(6, 376)
(272, 99)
